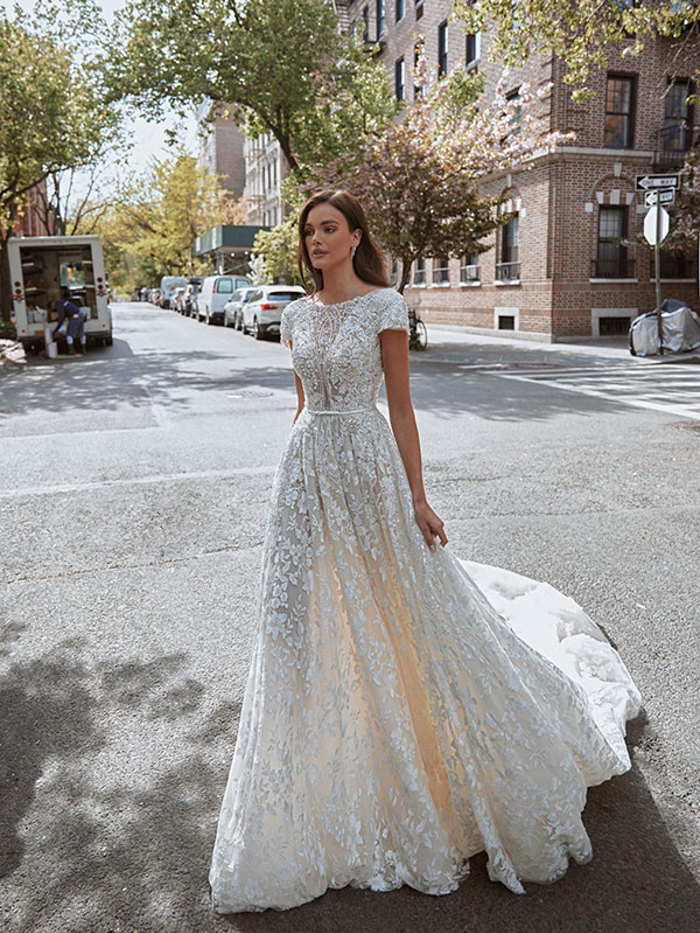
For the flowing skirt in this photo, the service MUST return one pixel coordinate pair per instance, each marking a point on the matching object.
(405, 709)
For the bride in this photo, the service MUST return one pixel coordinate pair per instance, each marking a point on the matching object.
(404, 709)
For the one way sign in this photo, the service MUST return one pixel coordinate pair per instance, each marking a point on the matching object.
(659, 196)
(646, 182)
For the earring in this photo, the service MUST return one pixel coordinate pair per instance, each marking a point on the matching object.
(352, 252)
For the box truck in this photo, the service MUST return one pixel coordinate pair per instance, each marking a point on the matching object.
(40, 267)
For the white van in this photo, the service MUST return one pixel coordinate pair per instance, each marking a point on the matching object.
(216, 291)
(168, 284)
(40, 266)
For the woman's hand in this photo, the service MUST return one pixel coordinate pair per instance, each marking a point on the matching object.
(429, 523)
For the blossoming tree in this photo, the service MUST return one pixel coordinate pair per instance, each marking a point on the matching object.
(422, 179)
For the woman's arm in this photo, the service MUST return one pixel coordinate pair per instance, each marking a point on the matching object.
(300, 395)
(394, 345)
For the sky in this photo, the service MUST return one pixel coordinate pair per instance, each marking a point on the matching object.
(149, 138)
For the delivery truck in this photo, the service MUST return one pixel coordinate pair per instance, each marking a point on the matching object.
(40, 267)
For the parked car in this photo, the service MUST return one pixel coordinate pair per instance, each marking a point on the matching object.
(168, 284)
(189, 301)
(233, 309)
(263, 310)
(216, 291)
(177, 298)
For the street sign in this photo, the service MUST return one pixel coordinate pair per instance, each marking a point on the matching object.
(645, 182)
(659, 196)
(656, 224)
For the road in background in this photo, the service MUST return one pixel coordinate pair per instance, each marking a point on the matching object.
(135, 486)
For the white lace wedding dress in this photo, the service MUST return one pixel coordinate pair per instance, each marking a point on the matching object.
(405, 709)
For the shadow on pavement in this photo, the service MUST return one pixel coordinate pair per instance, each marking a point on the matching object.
(91, 852)
(435, 387)
(170, 377)
(81, 854)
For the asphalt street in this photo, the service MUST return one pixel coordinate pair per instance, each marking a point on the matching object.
(134, 485)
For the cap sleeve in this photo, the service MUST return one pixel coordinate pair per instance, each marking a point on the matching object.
(287, 322)
(393, 312)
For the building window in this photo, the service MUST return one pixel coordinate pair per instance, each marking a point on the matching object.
(473, 49)
(417, 52)
(400, 10)
(508, 269)
(419, 272)
(400, 79)
(381, 19)
(612, 261)
(619, 112)
(441, 272)
(442, 49)
(365, 24)
(469, 268)
(674, 265)
(419, 8)
(517, 118)
(678, 117)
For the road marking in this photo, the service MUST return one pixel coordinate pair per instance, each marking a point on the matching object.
(159, 411)
(137, 481)
(658, 389)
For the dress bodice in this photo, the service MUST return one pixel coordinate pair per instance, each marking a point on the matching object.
(336, 350)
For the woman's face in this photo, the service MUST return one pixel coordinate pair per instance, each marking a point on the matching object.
(328, 237)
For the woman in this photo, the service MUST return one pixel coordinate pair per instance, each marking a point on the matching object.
(398, 717)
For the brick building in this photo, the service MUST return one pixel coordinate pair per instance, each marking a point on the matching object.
(222, 150)
(35, 219)
(558, 269)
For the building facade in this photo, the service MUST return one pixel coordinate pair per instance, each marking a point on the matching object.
(566, 265)
(265, 167)
(223, 151)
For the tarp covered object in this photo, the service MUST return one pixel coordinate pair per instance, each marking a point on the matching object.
(681, 330)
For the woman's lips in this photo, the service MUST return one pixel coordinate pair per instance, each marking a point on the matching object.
(316, 254)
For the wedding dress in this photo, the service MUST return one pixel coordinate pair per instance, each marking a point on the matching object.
(405, 709)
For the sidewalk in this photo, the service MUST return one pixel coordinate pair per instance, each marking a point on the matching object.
(451, 343)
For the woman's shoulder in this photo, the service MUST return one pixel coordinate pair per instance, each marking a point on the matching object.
(288, 315)
(293, 306)
(391, 309)
(387, 296)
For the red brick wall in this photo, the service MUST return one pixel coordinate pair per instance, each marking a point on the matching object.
(560, 196)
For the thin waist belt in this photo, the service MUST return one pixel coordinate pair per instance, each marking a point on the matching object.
(329, 411)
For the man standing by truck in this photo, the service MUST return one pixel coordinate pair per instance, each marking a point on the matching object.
(74, 319)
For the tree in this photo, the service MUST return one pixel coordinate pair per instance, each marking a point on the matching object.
(579, 33)
(420, 179)
(149, 229)
(281, 66)
(684, 237)
(276, 251)
(74, 199)
(53, 113)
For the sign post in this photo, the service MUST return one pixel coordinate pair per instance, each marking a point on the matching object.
(659, 189)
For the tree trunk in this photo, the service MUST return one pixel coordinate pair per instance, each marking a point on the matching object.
(406, 262)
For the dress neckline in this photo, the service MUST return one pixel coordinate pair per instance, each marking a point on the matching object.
(339, 304)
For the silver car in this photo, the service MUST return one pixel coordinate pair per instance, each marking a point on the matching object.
(233, 309)
(263, 309)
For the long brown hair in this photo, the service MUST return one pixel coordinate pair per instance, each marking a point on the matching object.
(369, 262)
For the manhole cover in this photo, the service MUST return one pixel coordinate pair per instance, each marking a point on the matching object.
(250, 393)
